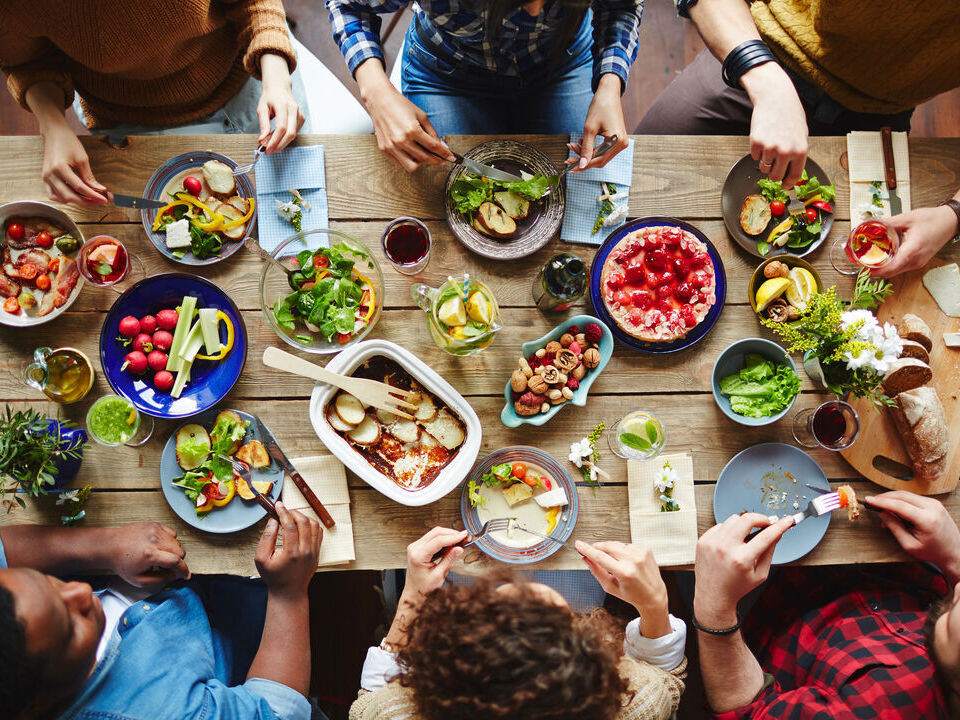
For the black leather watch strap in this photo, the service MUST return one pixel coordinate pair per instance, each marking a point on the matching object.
(954, 205)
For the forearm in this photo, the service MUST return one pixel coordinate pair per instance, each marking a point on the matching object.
(732, 677)
(406, 612)
(723, 24)
(45, 100)
(58, 550)
(655, 617)
(274, 69)
(284, 652)
(371, 79)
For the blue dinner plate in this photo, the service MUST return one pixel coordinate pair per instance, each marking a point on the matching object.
(210, 380)
(740, 488)
(565, 525)
(692, 337)
(238, 514)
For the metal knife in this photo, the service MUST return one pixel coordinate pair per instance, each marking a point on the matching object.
(890, 170)
(478, 168)
(270, 441)
(132, 201)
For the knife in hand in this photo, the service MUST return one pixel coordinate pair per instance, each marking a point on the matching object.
(890, 170)
(132, 201)
(277, 454)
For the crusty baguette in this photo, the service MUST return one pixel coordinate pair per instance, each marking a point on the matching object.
(922, 424)
(913, 349)
(219, 177)
(755, 214)
(906, 373)
(514, 205)
(912, 327)
(494, 221)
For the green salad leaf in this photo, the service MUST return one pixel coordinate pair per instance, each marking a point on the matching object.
(761, 388)
(473, 494)
(499, 476)
(532, 189)
(225, 433)
(772, 190)
(281, 312)
(204, 244)
(471, 191)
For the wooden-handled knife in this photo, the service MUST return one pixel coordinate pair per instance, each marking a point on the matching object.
(890, 170)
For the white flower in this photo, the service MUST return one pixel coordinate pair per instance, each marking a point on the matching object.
(618, 213)
(579, 451)
(666, 480)
(287, 209)
(869, 210)
(851, 317)
(67, 496)
(855, 362)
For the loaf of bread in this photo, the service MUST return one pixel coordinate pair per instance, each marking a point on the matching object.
(912, 327)
(922, 423)
(913, 349)
(906, 373)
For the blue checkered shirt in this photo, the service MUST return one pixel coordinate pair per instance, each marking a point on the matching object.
(457, 31)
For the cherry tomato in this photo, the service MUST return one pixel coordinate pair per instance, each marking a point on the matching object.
(210, 490)
(11, 305)
(15, 231)
(307, 285)
(778, 207)
(54, 265)
(321, 261)
(43, 282)
(812, 215)
(519, 471)
(28, 271)
(192, 185)
(43, 239)
(344, 338)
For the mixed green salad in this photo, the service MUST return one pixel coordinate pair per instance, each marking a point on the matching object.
(471, 191)
(330, 295)
(504, 476)
(796, 233)
(210, 481)
(761, 388)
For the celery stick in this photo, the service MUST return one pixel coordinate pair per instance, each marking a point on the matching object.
(211, 333)
(193, 345)
(180, 332)
(182, 378)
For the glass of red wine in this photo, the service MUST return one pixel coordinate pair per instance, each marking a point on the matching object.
(103, 260)
(406, 243)
(834, 425)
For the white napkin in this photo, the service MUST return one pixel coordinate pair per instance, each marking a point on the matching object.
(671, 536)
(865, 163)
(324, 474)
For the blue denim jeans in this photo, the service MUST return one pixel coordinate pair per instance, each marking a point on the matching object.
(463, 99)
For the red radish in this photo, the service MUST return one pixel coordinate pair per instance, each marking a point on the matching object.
(192, 185)
(157, 360)
(162, 340)
(167, 319)
(202, 500)
(163, 381)
(129, 326)
(148, 324)
(135, 362)
(143, 343)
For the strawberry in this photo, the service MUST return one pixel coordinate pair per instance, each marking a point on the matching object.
(684, 292)
(593, 333)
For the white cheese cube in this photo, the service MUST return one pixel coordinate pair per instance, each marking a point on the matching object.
(551, 498)
(178, 234)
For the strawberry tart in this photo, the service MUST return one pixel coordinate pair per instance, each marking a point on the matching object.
(658, 283)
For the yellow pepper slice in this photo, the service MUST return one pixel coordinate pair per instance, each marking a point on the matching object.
(373, 294)
(158, 220)
(553, 517)
(780, 230)
(241, 220)
(226, 347)
(215, 222)
(813, 199)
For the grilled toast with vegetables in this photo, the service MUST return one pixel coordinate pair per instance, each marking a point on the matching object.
(491, 219)
(755, 214)
(514, 205)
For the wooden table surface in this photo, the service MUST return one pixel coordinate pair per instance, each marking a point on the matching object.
(677, 176)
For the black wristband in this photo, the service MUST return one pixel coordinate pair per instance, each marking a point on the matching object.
(954, 205)
(712, 631)
(743, 58)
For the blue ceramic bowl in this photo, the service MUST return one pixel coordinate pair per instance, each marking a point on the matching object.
(692, 337)
(565, 525)
(732, 359)
(509, 416)
(71, 438)
(235, 515)
(209, 382)
(154, 190)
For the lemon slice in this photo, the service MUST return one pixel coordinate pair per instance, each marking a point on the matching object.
(478, 308)
(770, 291)
(802, 286)
(873, 256)
(452, 313)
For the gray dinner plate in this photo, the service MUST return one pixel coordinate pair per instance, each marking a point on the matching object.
(740, 488)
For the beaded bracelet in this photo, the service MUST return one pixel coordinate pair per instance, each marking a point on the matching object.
(744, 57)
(711, 631)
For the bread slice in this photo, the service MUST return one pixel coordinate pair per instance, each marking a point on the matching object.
(913, 349)
(912, 327)
(494, 221)
(231, 213)
(755, 214)
(922, 423)
(906, 374)
(514, 205)
(219, 177)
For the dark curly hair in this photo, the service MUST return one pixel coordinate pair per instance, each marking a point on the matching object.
(20, 671)
(475, 653)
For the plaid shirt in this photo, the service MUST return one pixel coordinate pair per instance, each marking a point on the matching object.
(457, 31)
(845, 644)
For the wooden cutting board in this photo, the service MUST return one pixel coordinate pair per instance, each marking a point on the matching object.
(879, 442)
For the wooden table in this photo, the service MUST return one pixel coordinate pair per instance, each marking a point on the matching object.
(678, 176)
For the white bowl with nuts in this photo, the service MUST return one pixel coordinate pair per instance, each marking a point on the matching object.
(556, 370)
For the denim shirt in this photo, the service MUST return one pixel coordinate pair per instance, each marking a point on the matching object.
(165, 661)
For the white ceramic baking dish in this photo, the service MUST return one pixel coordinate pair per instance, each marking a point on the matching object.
(450, 477)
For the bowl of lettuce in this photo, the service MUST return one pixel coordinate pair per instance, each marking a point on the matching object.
(755, 382)
(322, 291)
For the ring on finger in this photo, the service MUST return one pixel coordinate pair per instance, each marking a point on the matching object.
(766, 165)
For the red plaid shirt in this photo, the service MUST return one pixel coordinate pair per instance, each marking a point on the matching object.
(845, 643)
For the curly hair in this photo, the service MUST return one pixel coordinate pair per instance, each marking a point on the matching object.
(21, 672)
(474, 653)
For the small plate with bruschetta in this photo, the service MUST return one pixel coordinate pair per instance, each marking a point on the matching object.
(505, 221)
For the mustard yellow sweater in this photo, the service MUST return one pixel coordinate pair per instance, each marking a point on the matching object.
(153, 62)
(872, 56)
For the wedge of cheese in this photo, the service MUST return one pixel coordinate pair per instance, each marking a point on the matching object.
(952, 340)
(178, 234)
(943, 283)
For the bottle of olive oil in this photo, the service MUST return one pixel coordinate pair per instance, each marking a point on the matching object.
(64, 375)
(560, 283)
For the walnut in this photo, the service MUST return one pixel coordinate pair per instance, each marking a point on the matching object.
(581, 339)
(538, 385)
(793, 313)
(525, 410)
(566, 339)
(778, 310)
(591, 358)
(579, 371)
(553, 347)
(525, 367)
(566, 360)
(551, 375)
(518, 381)
(776, 269)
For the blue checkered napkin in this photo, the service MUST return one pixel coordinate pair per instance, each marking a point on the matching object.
(295, 168)
(583, 189)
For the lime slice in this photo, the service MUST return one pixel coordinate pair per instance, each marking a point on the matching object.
(478, 308)
(770, 290)
(452, 313)
(801, 287)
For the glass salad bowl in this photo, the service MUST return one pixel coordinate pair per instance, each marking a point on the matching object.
(311, 307)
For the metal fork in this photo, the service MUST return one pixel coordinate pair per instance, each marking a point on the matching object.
(820, 505)
(864, 505)
(244, 472)
(494, 525)
(796, 207)
(244, 169)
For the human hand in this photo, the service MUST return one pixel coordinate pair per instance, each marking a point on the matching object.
(630, 573)
(934, 536)
(728, 566)
(922, 233)
(778, 127)
(66, 168)
(146, 554)
(422, 575)
(604, 117)
(287, 570)
(277, 102)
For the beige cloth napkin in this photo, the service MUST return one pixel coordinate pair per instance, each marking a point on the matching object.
(324, 474)
(671, 536)
(865, 162)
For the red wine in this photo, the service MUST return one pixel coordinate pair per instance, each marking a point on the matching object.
(407, 244)
(829, 425)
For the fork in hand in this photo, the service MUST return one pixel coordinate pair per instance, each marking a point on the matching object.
(244, 472)
(494, 525)
(244, 169)
(820, 505)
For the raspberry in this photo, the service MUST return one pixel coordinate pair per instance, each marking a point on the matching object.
(573, 329)
(593, 333)
(534, 362)
(573, 383)
(548, 358)
(574, 347)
